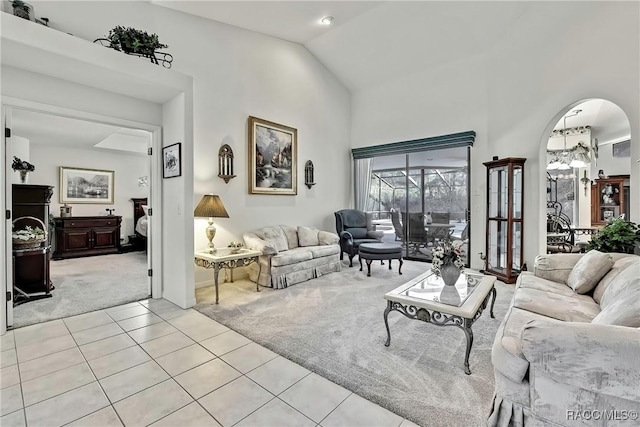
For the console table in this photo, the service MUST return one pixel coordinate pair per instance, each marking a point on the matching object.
(223, 258)
(82, 236)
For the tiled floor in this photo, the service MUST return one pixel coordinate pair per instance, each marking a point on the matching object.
(152, 363)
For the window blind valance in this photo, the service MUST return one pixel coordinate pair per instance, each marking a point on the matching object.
(461, 139)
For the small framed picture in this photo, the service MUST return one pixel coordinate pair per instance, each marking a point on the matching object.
(172, 160)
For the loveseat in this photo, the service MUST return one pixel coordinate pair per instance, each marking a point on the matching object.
(292, 255)
(568, 349)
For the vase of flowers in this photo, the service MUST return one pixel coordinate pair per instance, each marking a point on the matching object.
(23, 167)
(447, 261)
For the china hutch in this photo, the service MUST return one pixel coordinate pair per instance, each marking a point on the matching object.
(505, 198)
(608, 199)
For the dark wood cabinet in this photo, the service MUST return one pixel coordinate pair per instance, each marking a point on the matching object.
(31, 266)
(607, 199)
(87, 236)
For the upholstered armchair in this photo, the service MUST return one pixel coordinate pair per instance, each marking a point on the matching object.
(354, 227)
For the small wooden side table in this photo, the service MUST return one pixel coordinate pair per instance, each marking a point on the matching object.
(223, 258)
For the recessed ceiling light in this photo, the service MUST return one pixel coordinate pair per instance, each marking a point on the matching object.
(327, 20)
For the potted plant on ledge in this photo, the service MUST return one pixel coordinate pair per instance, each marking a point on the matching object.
(136, 42)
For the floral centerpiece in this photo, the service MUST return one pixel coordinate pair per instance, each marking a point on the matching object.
(447, 261)
(23, 167)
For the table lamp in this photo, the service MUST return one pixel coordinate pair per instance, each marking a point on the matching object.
(210, 207)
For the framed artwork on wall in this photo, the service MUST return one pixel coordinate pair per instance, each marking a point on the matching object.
(272, 158)
(172, 160)
(78, 185)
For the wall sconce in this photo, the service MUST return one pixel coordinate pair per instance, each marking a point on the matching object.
(308, 174)
(225, 163)
(585, 181)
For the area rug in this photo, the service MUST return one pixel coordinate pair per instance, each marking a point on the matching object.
(87, 284)
(333, 325)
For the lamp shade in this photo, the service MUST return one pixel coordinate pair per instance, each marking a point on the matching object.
(210, 206)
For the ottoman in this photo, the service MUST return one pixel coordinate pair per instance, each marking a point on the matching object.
(379, 251)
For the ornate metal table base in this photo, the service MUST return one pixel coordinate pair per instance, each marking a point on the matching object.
(441, 319)
(231, 264)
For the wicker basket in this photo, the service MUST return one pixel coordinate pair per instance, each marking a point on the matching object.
(35, 242)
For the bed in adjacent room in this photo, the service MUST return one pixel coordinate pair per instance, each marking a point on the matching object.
(141, 221)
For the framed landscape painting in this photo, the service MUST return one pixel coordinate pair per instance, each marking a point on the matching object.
(272, 158)
(79, 185)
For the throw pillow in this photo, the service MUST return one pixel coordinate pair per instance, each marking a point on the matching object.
(275, 236)
(588, 271)
(308, 236)
(625, 309)
(292, 235)
(145, 209)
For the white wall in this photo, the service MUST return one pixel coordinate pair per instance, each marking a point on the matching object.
(609, 164)
(512, 96)
(127, 169)
(238, 73)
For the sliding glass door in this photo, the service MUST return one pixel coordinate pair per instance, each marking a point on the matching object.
(420, 199)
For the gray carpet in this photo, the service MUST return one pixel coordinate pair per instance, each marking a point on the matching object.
(87, 284)
(333, 326)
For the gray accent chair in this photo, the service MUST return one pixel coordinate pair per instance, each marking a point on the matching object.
(562, 352)
(355, 227)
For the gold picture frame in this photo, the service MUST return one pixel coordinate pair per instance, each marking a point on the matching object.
(273, 152)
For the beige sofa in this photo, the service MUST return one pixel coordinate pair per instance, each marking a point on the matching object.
(568, 353)
(292, 255)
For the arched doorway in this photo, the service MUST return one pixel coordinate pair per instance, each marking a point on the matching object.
(587, 168)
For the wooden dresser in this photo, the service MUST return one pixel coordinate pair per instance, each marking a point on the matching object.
(82, 236)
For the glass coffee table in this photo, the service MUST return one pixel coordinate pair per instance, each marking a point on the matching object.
(427, 298)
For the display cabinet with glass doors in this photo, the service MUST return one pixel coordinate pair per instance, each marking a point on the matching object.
(505, 197)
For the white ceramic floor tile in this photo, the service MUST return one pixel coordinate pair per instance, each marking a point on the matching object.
(129, 382)
(315, 396)
(7, 342)
(118, 361)
(39, 332)
(45, 347)
(87, 321)
(276, 413)
(167, 344)
(105, 417)
(152, 332)
(14, 419)
(202, 332)
(121, 307)
(278, 374)
(234, 401)
(225, 342)
(128, 312)
(152, 404)
(10, 399)
(184, 359)
(46, 386)
(51, 363)
(98, 333)
(160, 304)
(358, 412)
(191, 415)
(9, 376)
(248, 357)
(67, 407)
(207, 377)
(106, 346)
(139, 321)
(174, 313)
(8, 358)
(191, 321)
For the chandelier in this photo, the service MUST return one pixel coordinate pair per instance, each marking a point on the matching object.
(574, 157)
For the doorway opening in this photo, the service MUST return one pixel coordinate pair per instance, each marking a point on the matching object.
(89, 192)
(587, 169)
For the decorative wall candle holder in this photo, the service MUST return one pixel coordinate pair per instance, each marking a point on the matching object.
(308, 174)
(225, 163)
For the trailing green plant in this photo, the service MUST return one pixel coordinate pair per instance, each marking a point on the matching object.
(131, 40)
(617, 236)
(21, 9)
